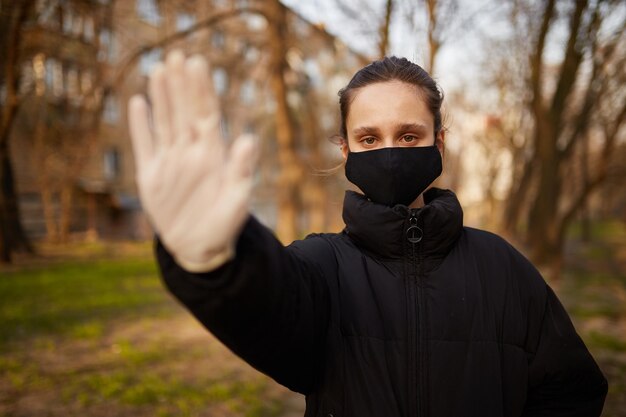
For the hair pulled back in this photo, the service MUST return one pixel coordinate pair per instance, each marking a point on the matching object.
(392, 69)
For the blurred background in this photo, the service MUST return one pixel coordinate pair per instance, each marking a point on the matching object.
(535, 149)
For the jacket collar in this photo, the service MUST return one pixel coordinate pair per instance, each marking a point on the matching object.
(381, 230)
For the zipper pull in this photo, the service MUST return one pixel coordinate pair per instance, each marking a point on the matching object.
(414, 233)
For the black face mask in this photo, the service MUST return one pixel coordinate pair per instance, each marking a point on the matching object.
(394, 175)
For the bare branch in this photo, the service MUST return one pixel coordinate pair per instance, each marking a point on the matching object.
(131, 60)
(383, 44)
(536, 61)
(571, 62)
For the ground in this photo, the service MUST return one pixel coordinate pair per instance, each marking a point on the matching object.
(90, 330)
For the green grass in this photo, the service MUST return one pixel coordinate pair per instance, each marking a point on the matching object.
(83, 307)
(77, 298)
(599, 340)
(605, 230)
(113, 313)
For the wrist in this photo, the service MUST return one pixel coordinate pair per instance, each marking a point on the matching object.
(212, 262)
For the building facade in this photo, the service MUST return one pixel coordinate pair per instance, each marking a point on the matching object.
(84, 59)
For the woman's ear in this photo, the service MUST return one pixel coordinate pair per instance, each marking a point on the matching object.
(344, 148)
(439, 142)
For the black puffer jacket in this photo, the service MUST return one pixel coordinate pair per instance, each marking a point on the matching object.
(404, 313)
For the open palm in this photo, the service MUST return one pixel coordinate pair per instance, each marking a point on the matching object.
(195, 190)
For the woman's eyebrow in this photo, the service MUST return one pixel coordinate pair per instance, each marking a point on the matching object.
(365, 130)
(404, 127)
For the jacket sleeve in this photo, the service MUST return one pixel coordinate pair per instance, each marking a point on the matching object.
(270, 305)
(564, 379)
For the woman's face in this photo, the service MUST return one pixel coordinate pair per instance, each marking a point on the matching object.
(389, 114)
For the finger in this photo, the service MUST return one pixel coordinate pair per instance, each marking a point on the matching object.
(203, 100)
(208, 131)
(242, 160)
(236, 190)
(138, 120)
(177, 93)
(160, 105)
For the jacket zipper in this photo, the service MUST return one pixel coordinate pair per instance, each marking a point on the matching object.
(414, 236)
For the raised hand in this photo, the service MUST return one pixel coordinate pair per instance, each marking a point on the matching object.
(195, 190)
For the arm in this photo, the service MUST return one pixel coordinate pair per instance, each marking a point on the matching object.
(269, 305)
(266, 302)
(564, 380)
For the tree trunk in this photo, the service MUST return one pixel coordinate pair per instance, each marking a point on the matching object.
(290, 172)
(542, 225)
(433, 42)
(316, 197)
(518, 198)
(44, 181)
(585, 221)
(383, 43)
(12, 235)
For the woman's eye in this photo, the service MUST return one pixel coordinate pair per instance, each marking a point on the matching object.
(408, 138)
(369, 140)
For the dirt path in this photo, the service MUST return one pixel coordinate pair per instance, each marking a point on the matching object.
(159, 366)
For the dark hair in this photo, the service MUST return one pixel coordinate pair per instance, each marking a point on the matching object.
(390, 69)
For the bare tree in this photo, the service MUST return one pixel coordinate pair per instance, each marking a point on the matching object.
(290, 166)
(371, 22)
(442, 21)
(13, 18)
(568, 103)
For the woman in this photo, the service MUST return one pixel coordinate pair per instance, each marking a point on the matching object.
(404, 313)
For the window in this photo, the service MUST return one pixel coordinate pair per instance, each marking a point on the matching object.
(184, 21)
(107, 50)
(111, 111)
(111, 164)
(220, 81)
(47, 13)
(88, 31)
(54, 76)
(49, 73)
(77, 25)
(68, 20)
(148, 60)
(148, 11)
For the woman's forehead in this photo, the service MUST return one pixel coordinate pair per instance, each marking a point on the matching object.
(388, 103)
